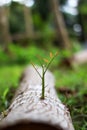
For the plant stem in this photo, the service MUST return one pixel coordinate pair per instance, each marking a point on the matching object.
(36, 70)
(49, 64)
(43, 83)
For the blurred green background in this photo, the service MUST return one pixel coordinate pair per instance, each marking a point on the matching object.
(37, 27)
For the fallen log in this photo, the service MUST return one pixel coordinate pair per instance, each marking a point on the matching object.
(77, 59)
(29, 112)
(80, 57)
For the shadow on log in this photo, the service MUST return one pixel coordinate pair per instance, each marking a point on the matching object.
(28, 111)
(31, 126)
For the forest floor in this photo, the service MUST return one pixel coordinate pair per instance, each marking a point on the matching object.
(71, 84)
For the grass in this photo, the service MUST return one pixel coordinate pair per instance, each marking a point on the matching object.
(9, 77)
(72, 88)
(71, 84)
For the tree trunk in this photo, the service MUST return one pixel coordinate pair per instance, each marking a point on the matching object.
(28, 22)
(5, 37)
(61, 28)
(28, 111)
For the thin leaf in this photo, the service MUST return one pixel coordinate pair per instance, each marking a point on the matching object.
(51, 55)
(46, 60)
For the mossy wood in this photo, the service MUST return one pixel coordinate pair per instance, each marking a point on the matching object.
(29, 112)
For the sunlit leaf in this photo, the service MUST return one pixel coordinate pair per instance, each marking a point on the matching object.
(46, 60)
(51, 55)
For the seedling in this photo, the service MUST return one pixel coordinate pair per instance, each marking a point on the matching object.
(45, 67)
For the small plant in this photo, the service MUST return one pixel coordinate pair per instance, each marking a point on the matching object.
(45, 67)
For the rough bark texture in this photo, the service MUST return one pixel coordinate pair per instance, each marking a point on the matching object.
(29, 112)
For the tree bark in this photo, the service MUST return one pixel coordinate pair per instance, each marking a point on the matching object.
(61, 28)
(30, 112)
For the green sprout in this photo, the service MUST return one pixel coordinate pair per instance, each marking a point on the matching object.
(45, 67)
